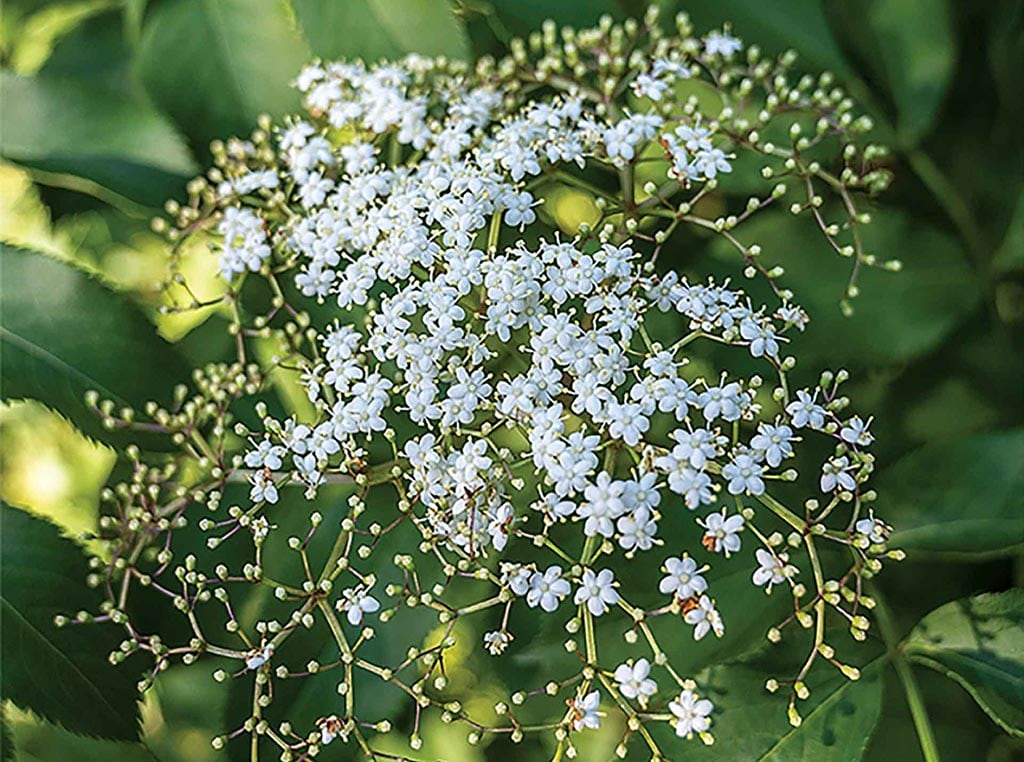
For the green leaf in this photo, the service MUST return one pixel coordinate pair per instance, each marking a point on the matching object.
(960, 727)
(979, 643)
(960, 498)
(6, 741)
(96, 51)
(60, 674)
(751, 723)
(62, 333)
(73, 127)
(216, 65)
(374, 29)
(915, 54)
(897, 316)
(1010, 255)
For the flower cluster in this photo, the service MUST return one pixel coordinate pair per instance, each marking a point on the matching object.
(536, 405)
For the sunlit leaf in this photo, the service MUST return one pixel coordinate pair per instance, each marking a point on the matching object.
(70, 127)
(373, 29)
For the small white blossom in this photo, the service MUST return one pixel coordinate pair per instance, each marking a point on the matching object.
(805, 411)
(855, 431)
(263, 488)
(497, 641)
(774, 569)
(548, 589)
(721, 43)
(355, 602)
(259, 656)
(597, 591)
(876, 530)
(743, 474)
(835, 474)
(585, 711)
(634, 680)
(692, 714)
(721, 533)
(682, 578)
(705, 618)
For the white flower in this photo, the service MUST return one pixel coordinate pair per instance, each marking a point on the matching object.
(585, 711)
(259, 656)
(773, 443)
(705, 618)
(266, 455)
(682, 578)
(646, 86)
(263, 488)
(597, 591)
(548, 589)
(805, 411)
(603, 505)
(835, 473)
(691, 714)
(744, 475)
(721, 534)
(497, 641)
(634, 680)
(721, 43)
(519, 210)
(855, 431)
(774, 569)
(637, 530)
(355, 602)
(517, 577)
(330, 728)
(876, 530)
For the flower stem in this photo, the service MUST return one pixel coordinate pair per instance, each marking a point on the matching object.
(918, 710)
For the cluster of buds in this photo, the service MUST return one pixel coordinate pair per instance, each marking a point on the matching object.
(502, 416)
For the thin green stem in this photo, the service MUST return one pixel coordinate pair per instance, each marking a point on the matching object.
(918, 710)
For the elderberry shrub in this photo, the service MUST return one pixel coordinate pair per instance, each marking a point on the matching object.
(499, 414)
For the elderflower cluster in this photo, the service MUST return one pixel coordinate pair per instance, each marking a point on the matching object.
(536, 404)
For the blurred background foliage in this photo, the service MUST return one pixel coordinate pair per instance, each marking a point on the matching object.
(107, 108)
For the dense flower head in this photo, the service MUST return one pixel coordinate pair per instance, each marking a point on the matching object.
(537, 404)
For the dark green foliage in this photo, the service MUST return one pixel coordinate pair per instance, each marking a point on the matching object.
(63, 333)
(933, 351)
(61, 674)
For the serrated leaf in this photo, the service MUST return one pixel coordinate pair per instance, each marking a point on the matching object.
(960, 498)
(374, 29)
(751, 723)
(62, 333)
(232, 61)
(979, 643)
(61, 674)
(85, 129)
